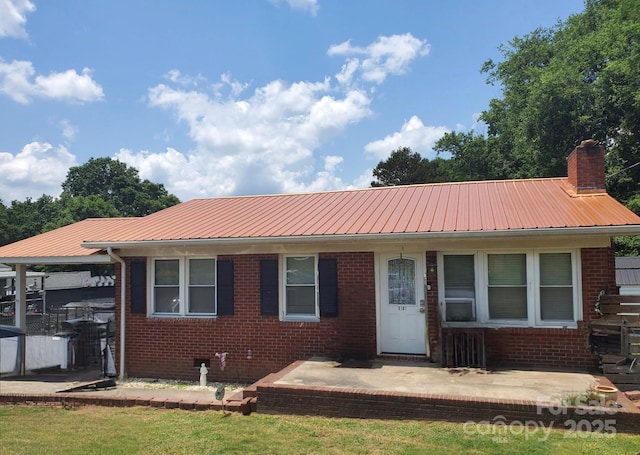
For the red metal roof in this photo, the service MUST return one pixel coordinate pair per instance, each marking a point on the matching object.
(64, 243)
(479, 207)
(449, 207)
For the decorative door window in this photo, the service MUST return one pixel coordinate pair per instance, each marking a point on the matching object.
(402, 281)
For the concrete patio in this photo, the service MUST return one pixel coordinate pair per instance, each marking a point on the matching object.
(429, 378)
(379, 389)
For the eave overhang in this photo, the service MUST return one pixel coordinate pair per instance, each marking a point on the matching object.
(602, 231)
(58, 260)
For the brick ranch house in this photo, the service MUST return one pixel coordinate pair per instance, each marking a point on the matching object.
(356, 274)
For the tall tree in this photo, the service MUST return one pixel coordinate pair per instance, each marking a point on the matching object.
(405, 167)
(73, 209)
(472, 157)
(4, 225)
(119, 185)
(577, 80)
(29, 218)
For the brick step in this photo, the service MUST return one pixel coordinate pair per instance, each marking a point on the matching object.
(404, 358)
(614, 368)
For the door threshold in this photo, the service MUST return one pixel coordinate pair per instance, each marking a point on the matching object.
(406, 357)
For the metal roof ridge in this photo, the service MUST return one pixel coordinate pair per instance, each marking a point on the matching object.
(374, 188)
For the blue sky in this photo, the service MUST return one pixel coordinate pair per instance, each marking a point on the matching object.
(217, 98)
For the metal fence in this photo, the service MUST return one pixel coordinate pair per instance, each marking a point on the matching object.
(37, 321)
(86, 327)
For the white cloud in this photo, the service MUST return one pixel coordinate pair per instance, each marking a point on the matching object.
(345, 76)
(263, 142)
(69, 131)
(267, 140)
(177, 77)
(413, 134)
(332, 162)
(310, 6)
(363, 180)
(17, 81)
(13, 17)
(389, 55)
(39, 168)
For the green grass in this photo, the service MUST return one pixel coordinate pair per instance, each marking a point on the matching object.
(100, 430)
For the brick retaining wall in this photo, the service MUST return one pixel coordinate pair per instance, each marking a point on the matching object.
(355, 403)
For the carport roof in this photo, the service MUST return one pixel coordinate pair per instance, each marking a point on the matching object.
(63, 245)
(628, 271)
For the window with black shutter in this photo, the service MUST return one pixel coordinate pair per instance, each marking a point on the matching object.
(269, 287)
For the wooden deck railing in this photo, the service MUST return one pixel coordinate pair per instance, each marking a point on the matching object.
(620, 318)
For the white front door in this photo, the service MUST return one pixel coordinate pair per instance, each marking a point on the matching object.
(402, 308)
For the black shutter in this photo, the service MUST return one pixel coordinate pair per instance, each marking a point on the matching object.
(138, 277)
(269, 287)
(328, 282)
(225, 287)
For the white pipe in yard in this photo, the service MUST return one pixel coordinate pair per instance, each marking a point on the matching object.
(123, 294)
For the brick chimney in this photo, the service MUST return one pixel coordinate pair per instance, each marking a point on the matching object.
(586, 168)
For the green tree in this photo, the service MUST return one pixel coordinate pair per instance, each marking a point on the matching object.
(74, 209)
(4, 225)
(577, 80)
(119, 185)
(29, 218)
(405, 167)
(472, 157)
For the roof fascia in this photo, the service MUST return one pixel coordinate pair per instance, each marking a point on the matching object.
(609, 231)
(94, 259)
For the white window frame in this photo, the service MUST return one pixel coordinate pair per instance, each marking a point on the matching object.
(183, 288)
(283, 291)
(577, 287)
(531, 303)
(443, 299)
(533, 290)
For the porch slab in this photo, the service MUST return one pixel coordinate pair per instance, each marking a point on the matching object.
(431, 379)
(422, 391)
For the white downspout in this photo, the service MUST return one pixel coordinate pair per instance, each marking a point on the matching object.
(123, 295)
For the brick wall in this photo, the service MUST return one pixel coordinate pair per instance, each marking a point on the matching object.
(433, 315)
(540, 348)
(375, 404)
(546, 347)
(167, 347)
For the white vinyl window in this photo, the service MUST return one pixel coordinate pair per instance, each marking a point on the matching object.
(166, 285)
(459, 287)
(507, 286)
(301, 287)
(556, 287)
(184, 286)
(202, 286)
(522, 288)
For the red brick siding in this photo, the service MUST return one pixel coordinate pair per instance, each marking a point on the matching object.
(545, 347)
(586, 168)
(166, 347)
(540, 348)
(433, 316)
(379, 404)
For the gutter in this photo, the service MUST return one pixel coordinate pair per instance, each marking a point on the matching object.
(396, 236)
(123, 295)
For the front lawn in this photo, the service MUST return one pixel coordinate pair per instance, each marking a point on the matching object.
(100, 430)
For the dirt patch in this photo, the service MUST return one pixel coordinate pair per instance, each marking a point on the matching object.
(153, 383)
